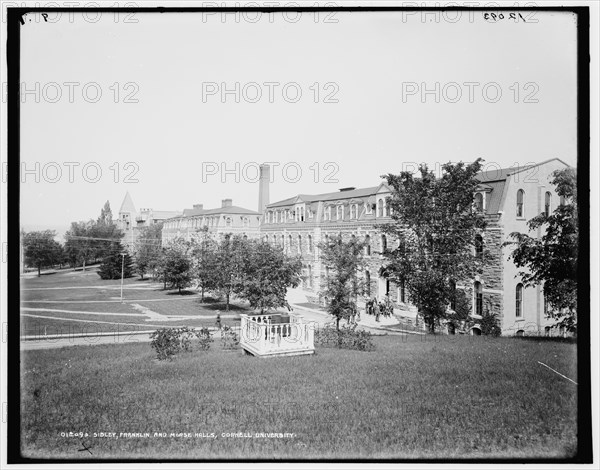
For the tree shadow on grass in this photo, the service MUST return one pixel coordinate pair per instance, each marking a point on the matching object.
(183, 292)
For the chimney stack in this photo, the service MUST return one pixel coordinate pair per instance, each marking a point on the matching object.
(226, 203)
(263, 188)
(198, 206)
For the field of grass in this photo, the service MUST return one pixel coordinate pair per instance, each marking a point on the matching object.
(413, 397)
(70, 302)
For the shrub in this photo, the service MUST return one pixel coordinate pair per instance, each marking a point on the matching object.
(168, 342)
(489, 324)
(229, 338)
(345, 338)
(204, 338)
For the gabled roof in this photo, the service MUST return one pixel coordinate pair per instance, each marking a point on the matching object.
(333, 196)
(499, 174)
(127, 205)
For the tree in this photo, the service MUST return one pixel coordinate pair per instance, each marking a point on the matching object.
(266, 275)
(105, 215)
(116, 263)
(435, 223)
(148, 248)
(41, 249)
(204, 261)
(176, 265)
(227, 262)
(345, 259)
(79, 245)
(552, 259)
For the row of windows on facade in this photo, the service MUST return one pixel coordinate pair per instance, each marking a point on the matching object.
(383, 244)
(205, 222)
(547, 203)
(300, 215)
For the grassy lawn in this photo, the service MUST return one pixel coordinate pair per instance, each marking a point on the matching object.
(413, 397)
(70, 302)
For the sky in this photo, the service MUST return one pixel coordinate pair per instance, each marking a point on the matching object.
(163, 130)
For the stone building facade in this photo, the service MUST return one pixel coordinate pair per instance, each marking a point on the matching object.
(508, 198)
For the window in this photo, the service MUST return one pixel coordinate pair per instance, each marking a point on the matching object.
(354, 211)
(380, 205)
(266, 239)
(479, 202)
(368, 208)
(479, 246)
(478, 298)
(228, 221)
(520, 197)
(519, 300)
(328, 213)
(299, 244)
(245, 221)
(368, 245)
(383, 244)
(547, 201)
(310, 243)
(387, 209)
(290, 243)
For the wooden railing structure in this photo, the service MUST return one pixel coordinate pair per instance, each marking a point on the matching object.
(262, 335)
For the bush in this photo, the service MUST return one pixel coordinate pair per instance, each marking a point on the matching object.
(345, 338)
(204, 338)
(489, 324)
(168, 342)
(229, 338)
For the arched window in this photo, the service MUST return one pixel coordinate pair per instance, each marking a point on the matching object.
(383, 244)
(380, 205)
(479, 246)
(299, 244)
(547, 201)
(479, 202)
(340, 212)
(478, 291)
(520, 199)
(519, 300)
(310, 243)
(387, 209)
(228, 221)
(290, 242)
(368, 245)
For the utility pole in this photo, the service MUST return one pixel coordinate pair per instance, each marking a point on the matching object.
(122, 274)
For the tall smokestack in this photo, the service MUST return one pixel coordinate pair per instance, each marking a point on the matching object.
(263, 188)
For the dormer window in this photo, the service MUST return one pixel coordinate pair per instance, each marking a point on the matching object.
(478, 202)
(380, 206)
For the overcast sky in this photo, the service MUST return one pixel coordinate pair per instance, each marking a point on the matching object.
(177, 132)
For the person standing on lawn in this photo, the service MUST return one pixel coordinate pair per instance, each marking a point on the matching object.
(376, 310)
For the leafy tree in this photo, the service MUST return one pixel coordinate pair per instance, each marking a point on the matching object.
(266, 275)
(116, 262)
(105, 215)
(176, 266)
(227, 262)
(148, 248)
(345, 259)
(552, 259)
(204, 257)
(79, 246)
(104, 231)
(435, 223)
(41, 249)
